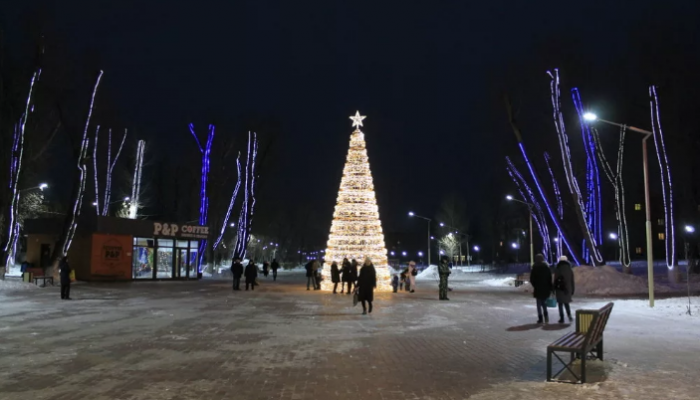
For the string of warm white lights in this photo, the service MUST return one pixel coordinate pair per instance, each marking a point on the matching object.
(136, 184)
(110, 168)
(356, 231)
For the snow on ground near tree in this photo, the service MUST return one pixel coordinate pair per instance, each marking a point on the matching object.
(9, 285)
(510, 281)
(607, 280)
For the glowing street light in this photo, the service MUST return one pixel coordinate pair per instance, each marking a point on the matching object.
(403, 253)
(392, 253)
(613, 236)
(591, 117)
(412, 214)
(477, 248)
(232, 224)
(127, 198)
(690, 229)
(420, 254)
(514, 245)
(529, 208)
(43, 186)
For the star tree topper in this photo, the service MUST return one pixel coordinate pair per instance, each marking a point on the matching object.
(357, 119)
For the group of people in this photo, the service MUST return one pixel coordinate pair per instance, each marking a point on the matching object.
(407, 279)
(364, 280)
(250, 272)
(558, 280)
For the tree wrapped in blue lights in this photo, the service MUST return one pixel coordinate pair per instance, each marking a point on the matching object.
(203, 196)
(10, 215)
(108, 170)
(557, 197)
(245, 217)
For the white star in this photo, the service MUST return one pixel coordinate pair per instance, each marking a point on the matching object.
(357, 119)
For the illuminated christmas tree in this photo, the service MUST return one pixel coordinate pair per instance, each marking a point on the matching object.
(356, 231)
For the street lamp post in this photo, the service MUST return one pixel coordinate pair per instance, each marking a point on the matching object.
(529, 208)
(590, 117)
(412, 214)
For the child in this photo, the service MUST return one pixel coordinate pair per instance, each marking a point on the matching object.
(395, 283)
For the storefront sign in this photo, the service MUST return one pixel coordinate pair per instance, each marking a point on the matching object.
(111, 257)
(180, 231)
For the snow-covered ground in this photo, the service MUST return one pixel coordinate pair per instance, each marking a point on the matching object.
(14, 285)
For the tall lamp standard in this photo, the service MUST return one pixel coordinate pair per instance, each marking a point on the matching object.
(591, 117)
(412, 214)
(529, 208)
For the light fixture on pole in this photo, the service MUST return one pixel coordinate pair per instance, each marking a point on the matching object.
(412, 214)
(529, 208)
(591, 118)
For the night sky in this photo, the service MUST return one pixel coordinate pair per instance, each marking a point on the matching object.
(429, 76)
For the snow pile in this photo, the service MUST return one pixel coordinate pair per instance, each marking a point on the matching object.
(429, 273)
(8, 285)
(499, 282)
(606, 280)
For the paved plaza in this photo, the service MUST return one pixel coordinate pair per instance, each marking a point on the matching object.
(200, 340)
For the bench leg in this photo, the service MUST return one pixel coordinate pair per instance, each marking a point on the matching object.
(583, 369)
(599, 350)
(549, 366)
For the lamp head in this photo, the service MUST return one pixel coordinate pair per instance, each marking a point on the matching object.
(509, 197)
(43, 186)
(590, 117)
(690, 229)
(410, 213)
(476, 248)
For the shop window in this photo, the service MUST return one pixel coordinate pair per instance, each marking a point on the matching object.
(638, 250)
(662, 236)
(182, 244)
(638, 207)
(142, 260)
(165, 258)
(143, 242)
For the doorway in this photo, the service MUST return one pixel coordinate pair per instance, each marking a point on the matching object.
(181, 258)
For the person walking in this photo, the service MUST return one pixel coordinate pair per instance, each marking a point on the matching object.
(353, 275)
(541, 281)
(345, 270)
(237, 272)
(266, 268)
(564, 287)
(275, 266)
(412, 272)
(444, 273)
(251, 273)
(335, 276)
(64, 271)
(316, 271)
(366, 283)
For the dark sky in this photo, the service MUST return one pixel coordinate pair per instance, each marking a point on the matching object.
(428, 74)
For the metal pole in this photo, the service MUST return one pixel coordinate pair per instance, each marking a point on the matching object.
(532, 247)
(650, 254)
(468, 255)
(428, 243)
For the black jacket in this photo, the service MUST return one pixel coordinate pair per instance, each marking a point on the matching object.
(237, 269)
(567, 277)
(251, 271)
(64, 272)
(275, 265)
(309, 269)
(353, 272)
(335, 273)
(367, 282)
(346, 271)
(541, 280)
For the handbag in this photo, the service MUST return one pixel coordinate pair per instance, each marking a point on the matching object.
(551, 302)
(355, 298)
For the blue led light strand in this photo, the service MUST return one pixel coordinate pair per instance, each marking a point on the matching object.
(568, 167)
(666, 186)
(203, 196)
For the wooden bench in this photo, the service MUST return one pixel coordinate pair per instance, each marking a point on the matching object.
(587, 338)
(522, 278)
(38, 274)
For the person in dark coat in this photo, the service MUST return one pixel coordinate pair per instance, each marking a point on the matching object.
(366, 283)
(266, 268)
(64, 271)
(251, 272)
(275, 266)
(444, 273)
(237, 272)
(564, 287)
(353, 275)
(345, 270)
(335, 276)
(310, 275)
(541, 281)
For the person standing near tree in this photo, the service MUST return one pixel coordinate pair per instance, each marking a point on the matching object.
(366, 283)
(64, 270)
(275, 266)
(266, 268)
(345, 270)
(353, 275)
(412, 272)
(541, 281)
(444, 273)
(564, 287)
(335, 276)
(251, 273)
(237, 272)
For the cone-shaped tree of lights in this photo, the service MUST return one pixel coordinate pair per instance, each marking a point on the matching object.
(356, 231)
